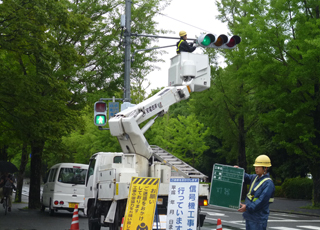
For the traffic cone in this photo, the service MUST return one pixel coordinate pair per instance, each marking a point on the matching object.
(122, 223)
(75, 219)
(219, 224)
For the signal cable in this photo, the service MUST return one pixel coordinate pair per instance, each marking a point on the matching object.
(140, 5)
(184, 23)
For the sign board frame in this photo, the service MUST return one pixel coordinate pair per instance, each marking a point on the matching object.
(226, 186)
(182, 211)
(141, 203)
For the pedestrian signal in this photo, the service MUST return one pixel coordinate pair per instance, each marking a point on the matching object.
(100, 113)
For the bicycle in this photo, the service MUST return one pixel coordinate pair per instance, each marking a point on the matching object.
(6, 193)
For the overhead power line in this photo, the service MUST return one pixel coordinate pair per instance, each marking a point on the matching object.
(184, 23)
(140, 5)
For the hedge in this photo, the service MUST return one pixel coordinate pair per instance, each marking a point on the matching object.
(297, 188)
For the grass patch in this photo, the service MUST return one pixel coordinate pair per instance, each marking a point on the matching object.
(310, 207)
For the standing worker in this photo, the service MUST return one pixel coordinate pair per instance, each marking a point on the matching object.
(260, 195)
(183, 45)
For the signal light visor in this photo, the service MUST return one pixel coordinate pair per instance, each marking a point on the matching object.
(231, 43)
(222, 39)
(206, 41)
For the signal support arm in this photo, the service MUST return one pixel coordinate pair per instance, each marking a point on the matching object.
(188, 73)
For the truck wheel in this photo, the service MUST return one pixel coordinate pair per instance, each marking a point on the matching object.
(93, 225)
(116, 224)
(51, 210)
(42, 205)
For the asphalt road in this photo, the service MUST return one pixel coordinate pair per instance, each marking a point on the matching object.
(285, 215)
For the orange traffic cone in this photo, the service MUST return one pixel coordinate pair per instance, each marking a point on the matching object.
(122, 223)
(219, 224)
(75, 219)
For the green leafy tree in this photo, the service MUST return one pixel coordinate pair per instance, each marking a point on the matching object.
(56, 55)
(184, 138)
(34, 98)
(83, 143)
(281, 40)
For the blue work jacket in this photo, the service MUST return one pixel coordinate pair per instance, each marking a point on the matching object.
(258, 210)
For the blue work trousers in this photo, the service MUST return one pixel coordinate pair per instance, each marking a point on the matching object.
(250, 225)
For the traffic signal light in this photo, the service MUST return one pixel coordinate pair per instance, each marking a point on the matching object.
(218, 41)
(100, 113)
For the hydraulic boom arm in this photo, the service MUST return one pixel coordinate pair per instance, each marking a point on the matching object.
(188, 73)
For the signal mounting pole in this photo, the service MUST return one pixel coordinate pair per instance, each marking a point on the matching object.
(127, 52)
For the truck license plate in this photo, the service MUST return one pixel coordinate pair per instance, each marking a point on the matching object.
(72, 205)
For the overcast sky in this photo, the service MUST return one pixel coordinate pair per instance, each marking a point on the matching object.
(194, 17)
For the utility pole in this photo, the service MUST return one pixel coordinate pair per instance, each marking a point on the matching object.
(127, 58)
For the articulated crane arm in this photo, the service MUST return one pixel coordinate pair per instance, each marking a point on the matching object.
(188, 73)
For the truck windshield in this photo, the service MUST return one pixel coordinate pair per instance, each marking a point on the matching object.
(72, 175)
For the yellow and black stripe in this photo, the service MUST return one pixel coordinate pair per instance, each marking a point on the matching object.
(145, 181)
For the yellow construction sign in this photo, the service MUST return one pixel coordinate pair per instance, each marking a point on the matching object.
(141, 203)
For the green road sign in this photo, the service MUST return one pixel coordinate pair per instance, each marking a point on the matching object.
(226, 186)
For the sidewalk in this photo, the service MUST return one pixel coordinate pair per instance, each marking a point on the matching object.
(293, 206)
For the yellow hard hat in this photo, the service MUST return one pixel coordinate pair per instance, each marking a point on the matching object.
(182, 33)
(262, 160)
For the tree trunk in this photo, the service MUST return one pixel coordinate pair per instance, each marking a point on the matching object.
(315, 171)
(3, 152)
(35, 177)
(24, 161)
(242, 159)
(313, 163)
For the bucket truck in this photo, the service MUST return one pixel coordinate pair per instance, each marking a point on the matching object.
(109, 174)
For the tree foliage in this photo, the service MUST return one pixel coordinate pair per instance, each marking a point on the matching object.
(184, 137)
(57, 56)
(280, 50)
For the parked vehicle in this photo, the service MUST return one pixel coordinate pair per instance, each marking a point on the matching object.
(64, 187)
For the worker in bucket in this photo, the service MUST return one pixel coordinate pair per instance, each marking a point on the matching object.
(183, 45)
(260, 195)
